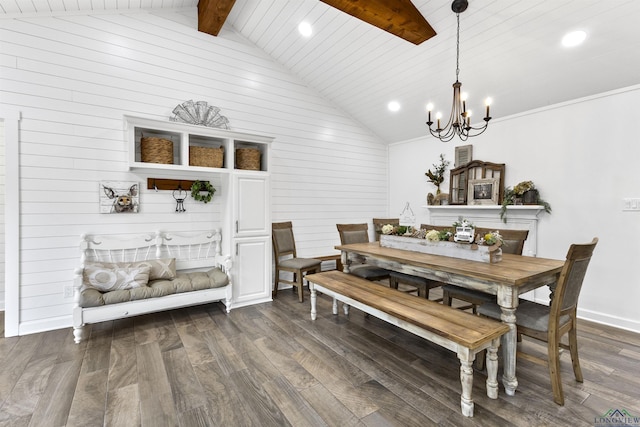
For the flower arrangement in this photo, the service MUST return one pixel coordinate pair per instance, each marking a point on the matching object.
(437, 176)
(491, 239)
(521, 191)
(444, 235)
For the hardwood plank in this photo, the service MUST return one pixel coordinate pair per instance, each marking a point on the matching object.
(123, 407)
(54, 404)
(272, 365)
(257, 403)
(185, 388)
(333, 412)
(89, 401)
(294, 407)
(156, 402)
(336, 383)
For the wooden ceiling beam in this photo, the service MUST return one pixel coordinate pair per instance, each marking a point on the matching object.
(398, 17)
(212, 14)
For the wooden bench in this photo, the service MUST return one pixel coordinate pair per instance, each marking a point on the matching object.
(461, 332)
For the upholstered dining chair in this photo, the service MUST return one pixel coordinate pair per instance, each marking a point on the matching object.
(513, 243)
(359, 233)
(286, 258)
(378, 223)
(423, 285)
(551, 323)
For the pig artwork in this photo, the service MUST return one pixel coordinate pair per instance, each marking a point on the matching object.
(121, 198)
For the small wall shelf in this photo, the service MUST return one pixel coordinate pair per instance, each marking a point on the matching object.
(184, 136)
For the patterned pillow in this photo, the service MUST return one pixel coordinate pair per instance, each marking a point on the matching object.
(106, 279)
(164, 268)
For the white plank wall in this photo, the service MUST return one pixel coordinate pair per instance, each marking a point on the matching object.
(2, 225)
(73, 77)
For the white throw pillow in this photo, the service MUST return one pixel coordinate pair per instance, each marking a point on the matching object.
(107, 279)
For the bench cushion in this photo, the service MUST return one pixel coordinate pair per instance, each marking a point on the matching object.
(183, 282)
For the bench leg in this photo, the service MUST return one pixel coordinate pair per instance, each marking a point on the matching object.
(492, 369)
(466, 379)
(312, 291)
(78, 334)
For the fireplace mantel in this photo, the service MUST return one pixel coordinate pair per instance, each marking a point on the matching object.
(520, 217)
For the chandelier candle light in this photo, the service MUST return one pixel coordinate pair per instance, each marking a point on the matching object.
(460, 120)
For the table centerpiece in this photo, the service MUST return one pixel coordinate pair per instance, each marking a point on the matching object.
(458, 242)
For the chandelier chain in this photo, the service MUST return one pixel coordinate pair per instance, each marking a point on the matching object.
(458, 48)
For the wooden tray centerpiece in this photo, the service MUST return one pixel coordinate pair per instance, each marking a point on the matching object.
(480, 248)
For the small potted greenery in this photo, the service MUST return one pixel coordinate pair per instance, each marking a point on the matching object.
(524, 192)
(437, 176)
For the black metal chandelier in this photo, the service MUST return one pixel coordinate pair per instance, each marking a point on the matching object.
(460, 120)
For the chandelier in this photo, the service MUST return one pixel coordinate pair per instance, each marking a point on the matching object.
(460, 120)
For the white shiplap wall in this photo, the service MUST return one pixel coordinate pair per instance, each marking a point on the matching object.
(2, 234)
(73, 77)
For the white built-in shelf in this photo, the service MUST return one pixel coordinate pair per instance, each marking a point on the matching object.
(184, 136)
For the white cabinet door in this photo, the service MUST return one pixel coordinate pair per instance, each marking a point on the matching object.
(252, 271)
(251, 215)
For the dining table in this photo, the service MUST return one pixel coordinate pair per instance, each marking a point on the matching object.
(507, 279)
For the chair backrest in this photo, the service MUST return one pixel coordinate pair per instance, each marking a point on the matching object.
(379, 222)
(353, 233)
(513, 240)
(283, 241)
(567, 291)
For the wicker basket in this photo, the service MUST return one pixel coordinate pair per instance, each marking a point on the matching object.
(206, 156)
(156, 150)
(248, 158)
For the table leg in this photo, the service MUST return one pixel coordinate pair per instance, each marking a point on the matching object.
(335, 306)
(509, 342)
(312, 291)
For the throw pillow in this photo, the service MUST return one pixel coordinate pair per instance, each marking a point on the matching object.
(107, 279)
(164, 268)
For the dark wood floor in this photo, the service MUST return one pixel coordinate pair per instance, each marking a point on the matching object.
(270, 365)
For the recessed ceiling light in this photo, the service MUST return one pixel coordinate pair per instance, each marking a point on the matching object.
(393, 106)
(573, 38)
(305, 29)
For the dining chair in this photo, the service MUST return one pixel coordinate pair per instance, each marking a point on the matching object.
(286, 258)
(423, 285)
(551, 323)
(513, 243)
(378, 223)
(359, 233)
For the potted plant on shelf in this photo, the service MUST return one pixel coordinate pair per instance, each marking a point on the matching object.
(524, 193)
(437, 178)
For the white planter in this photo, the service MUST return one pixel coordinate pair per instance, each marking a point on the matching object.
(468, 251)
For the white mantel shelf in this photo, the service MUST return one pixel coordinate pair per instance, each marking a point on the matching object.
(515, 211)
(519, 217)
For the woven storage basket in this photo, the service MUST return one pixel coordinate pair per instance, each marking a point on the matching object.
(156, 150)
(248, 158)
(206, 156)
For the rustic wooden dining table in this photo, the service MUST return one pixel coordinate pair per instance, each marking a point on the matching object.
(507, 279)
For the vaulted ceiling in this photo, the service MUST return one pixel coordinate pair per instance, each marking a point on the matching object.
(509, 50)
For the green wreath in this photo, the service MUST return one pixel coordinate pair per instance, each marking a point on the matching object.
(200, 186)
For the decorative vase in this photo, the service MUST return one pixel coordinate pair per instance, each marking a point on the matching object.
(530, 197)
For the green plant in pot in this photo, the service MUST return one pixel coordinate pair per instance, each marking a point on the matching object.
(524, 193)
(437, 176)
